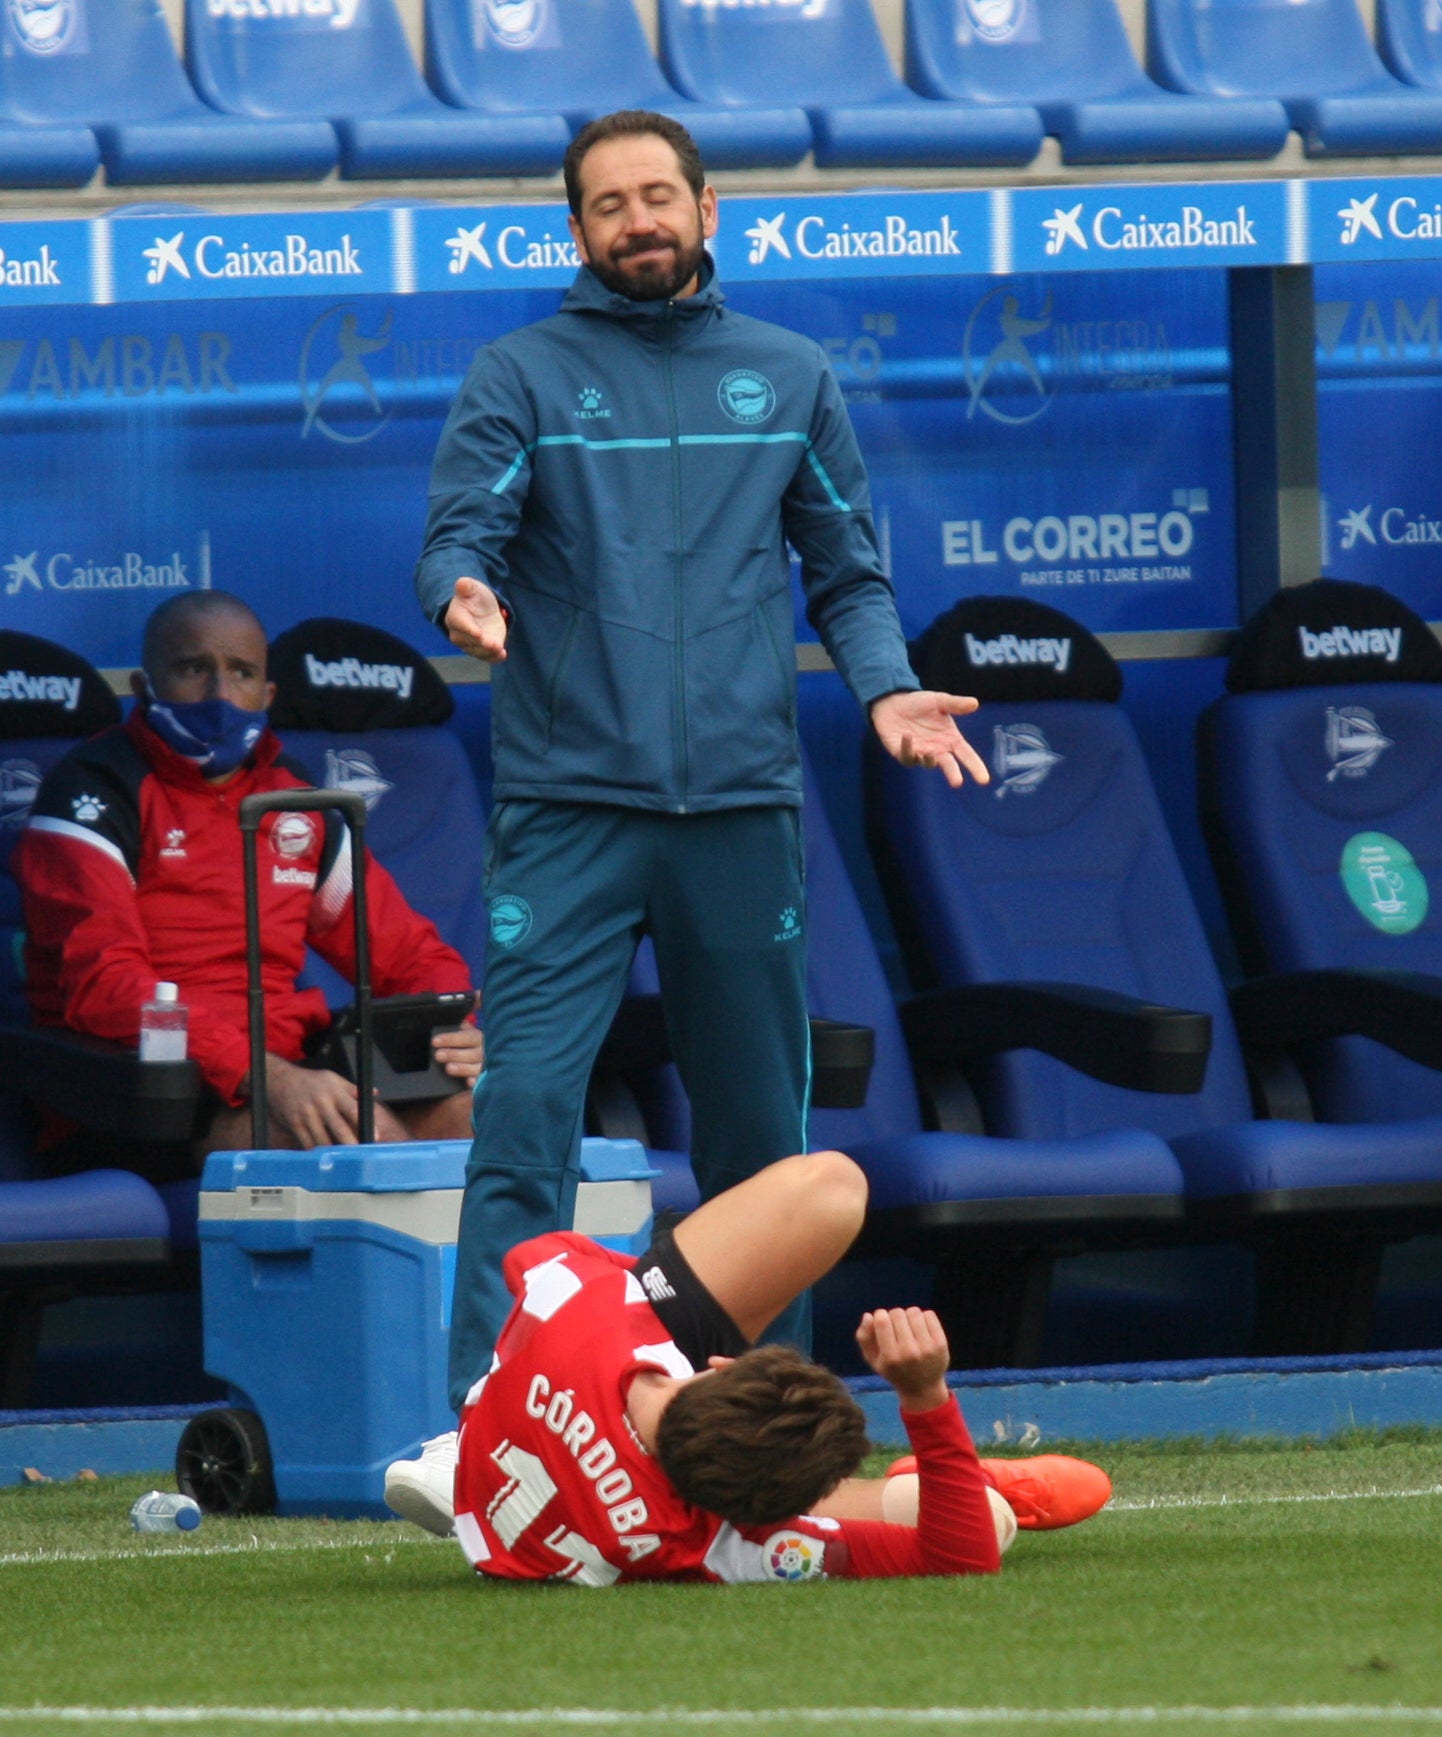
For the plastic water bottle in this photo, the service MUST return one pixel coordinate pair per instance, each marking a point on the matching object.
(164, 1511)
(163, 1024)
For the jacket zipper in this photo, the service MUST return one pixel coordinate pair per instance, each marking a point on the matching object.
(679, 693)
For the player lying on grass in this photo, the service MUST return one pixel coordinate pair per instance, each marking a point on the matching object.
(628, 1430)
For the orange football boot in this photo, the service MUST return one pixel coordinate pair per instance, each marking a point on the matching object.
(1044, 1492)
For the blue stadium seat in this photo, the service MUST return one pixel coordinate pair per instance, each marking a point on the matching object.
(585, 58)
(830, 60)
(113, 67)
(1316, 772)
(352, 65)
(1062, 870)
(424, 816)
(992, 1213)
(53, 698)
(47, 156)
(1313, 55)
(1410, 41)
(1075, 64)
(73, 1233)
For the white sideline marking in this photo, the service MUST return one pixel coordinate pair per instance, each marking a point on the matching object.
(678, 1718)
(1372, 1495)
(187, 1550)
(182, 1549)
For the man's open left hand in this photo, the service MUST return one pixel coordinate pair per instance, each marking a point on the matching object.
(919, 729)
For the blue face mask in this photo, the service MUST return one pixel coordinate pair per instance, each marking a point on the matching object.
(214, 735)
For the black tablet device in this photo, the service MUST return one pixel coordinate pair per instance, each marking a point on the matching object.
(401, 1028)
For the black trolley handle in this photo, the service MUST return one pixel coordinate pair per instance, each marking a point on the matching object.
(252, 811)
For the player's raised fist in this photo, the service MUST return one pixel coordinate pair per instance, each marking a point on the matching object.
(908, 1348)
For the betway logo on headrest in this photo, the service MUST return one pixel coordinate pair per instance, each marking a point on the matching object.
(1383, 642)
(350, 672)
(338, 14)
(1009, 649)
(18, 684)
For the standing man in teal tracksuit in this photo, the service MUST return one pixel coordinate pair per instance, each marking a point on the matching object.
(610, 508)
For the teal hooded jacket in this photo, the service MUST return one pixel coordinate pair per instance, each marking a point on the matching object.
(626, 476)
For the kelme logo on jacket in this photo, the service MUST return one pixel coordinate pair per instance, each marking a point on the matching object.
(746, 396)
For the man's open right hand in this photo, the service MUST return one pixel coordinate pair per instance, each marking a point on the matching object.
(476, 622)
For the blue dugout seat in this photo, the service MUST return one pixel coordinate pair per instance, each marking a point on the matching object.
(991, 1213)
(1409, 39)
(1075, 64)
(830, 60)
(361, 710)
(352, 65)
(74, 1233)
(1313, 55)
(514, 58)
(47, 156)
(1062, 870)
(1321, 792)
(113, 68)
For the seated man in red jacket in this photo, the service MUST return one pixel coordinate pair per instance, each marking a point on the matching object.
(628, 1431)
(130, 870)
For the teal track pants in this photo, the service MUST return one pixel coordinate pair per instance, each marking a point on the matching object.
(572, 888)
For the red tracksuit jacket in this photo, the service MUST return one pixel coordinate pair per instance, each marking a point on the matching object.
(130, 870)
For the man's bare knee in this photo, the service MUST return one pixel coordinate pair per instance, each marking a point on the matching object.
(836, 1185)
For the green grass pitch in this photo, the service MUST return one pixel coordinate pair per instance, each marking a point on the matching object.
(1252, 1587)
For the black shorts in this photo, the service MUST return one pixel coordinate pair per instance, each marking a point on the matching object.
(690, 1314)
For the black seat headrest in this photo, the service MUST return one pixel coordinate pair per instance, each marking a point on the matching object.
(1010, 648)
(47, 690)
(1330, 633)
(332, 674)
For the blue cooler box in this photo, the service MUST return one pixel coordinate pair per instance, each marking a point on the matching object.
(326, 1281)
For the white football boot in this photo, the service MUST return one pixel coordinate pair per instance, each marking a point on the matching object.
(423, 1491)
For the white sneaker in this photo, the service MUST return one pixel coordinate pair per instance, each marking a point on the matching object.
(423, 1491)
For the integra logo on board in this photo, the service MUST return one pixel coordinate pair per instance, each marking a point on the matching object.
(212, 258)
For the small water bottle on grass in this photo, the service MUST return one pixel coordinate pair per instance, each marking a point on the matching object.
(164, 1511)
(163, 1022)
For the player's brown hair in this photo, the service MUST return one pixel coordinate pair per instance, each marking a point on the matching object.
(763, 1439)
(631, 124)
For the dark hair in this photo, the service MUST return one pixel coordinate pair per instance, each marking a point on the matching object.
(631, 124)
(175, 609)
(763, 1439)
